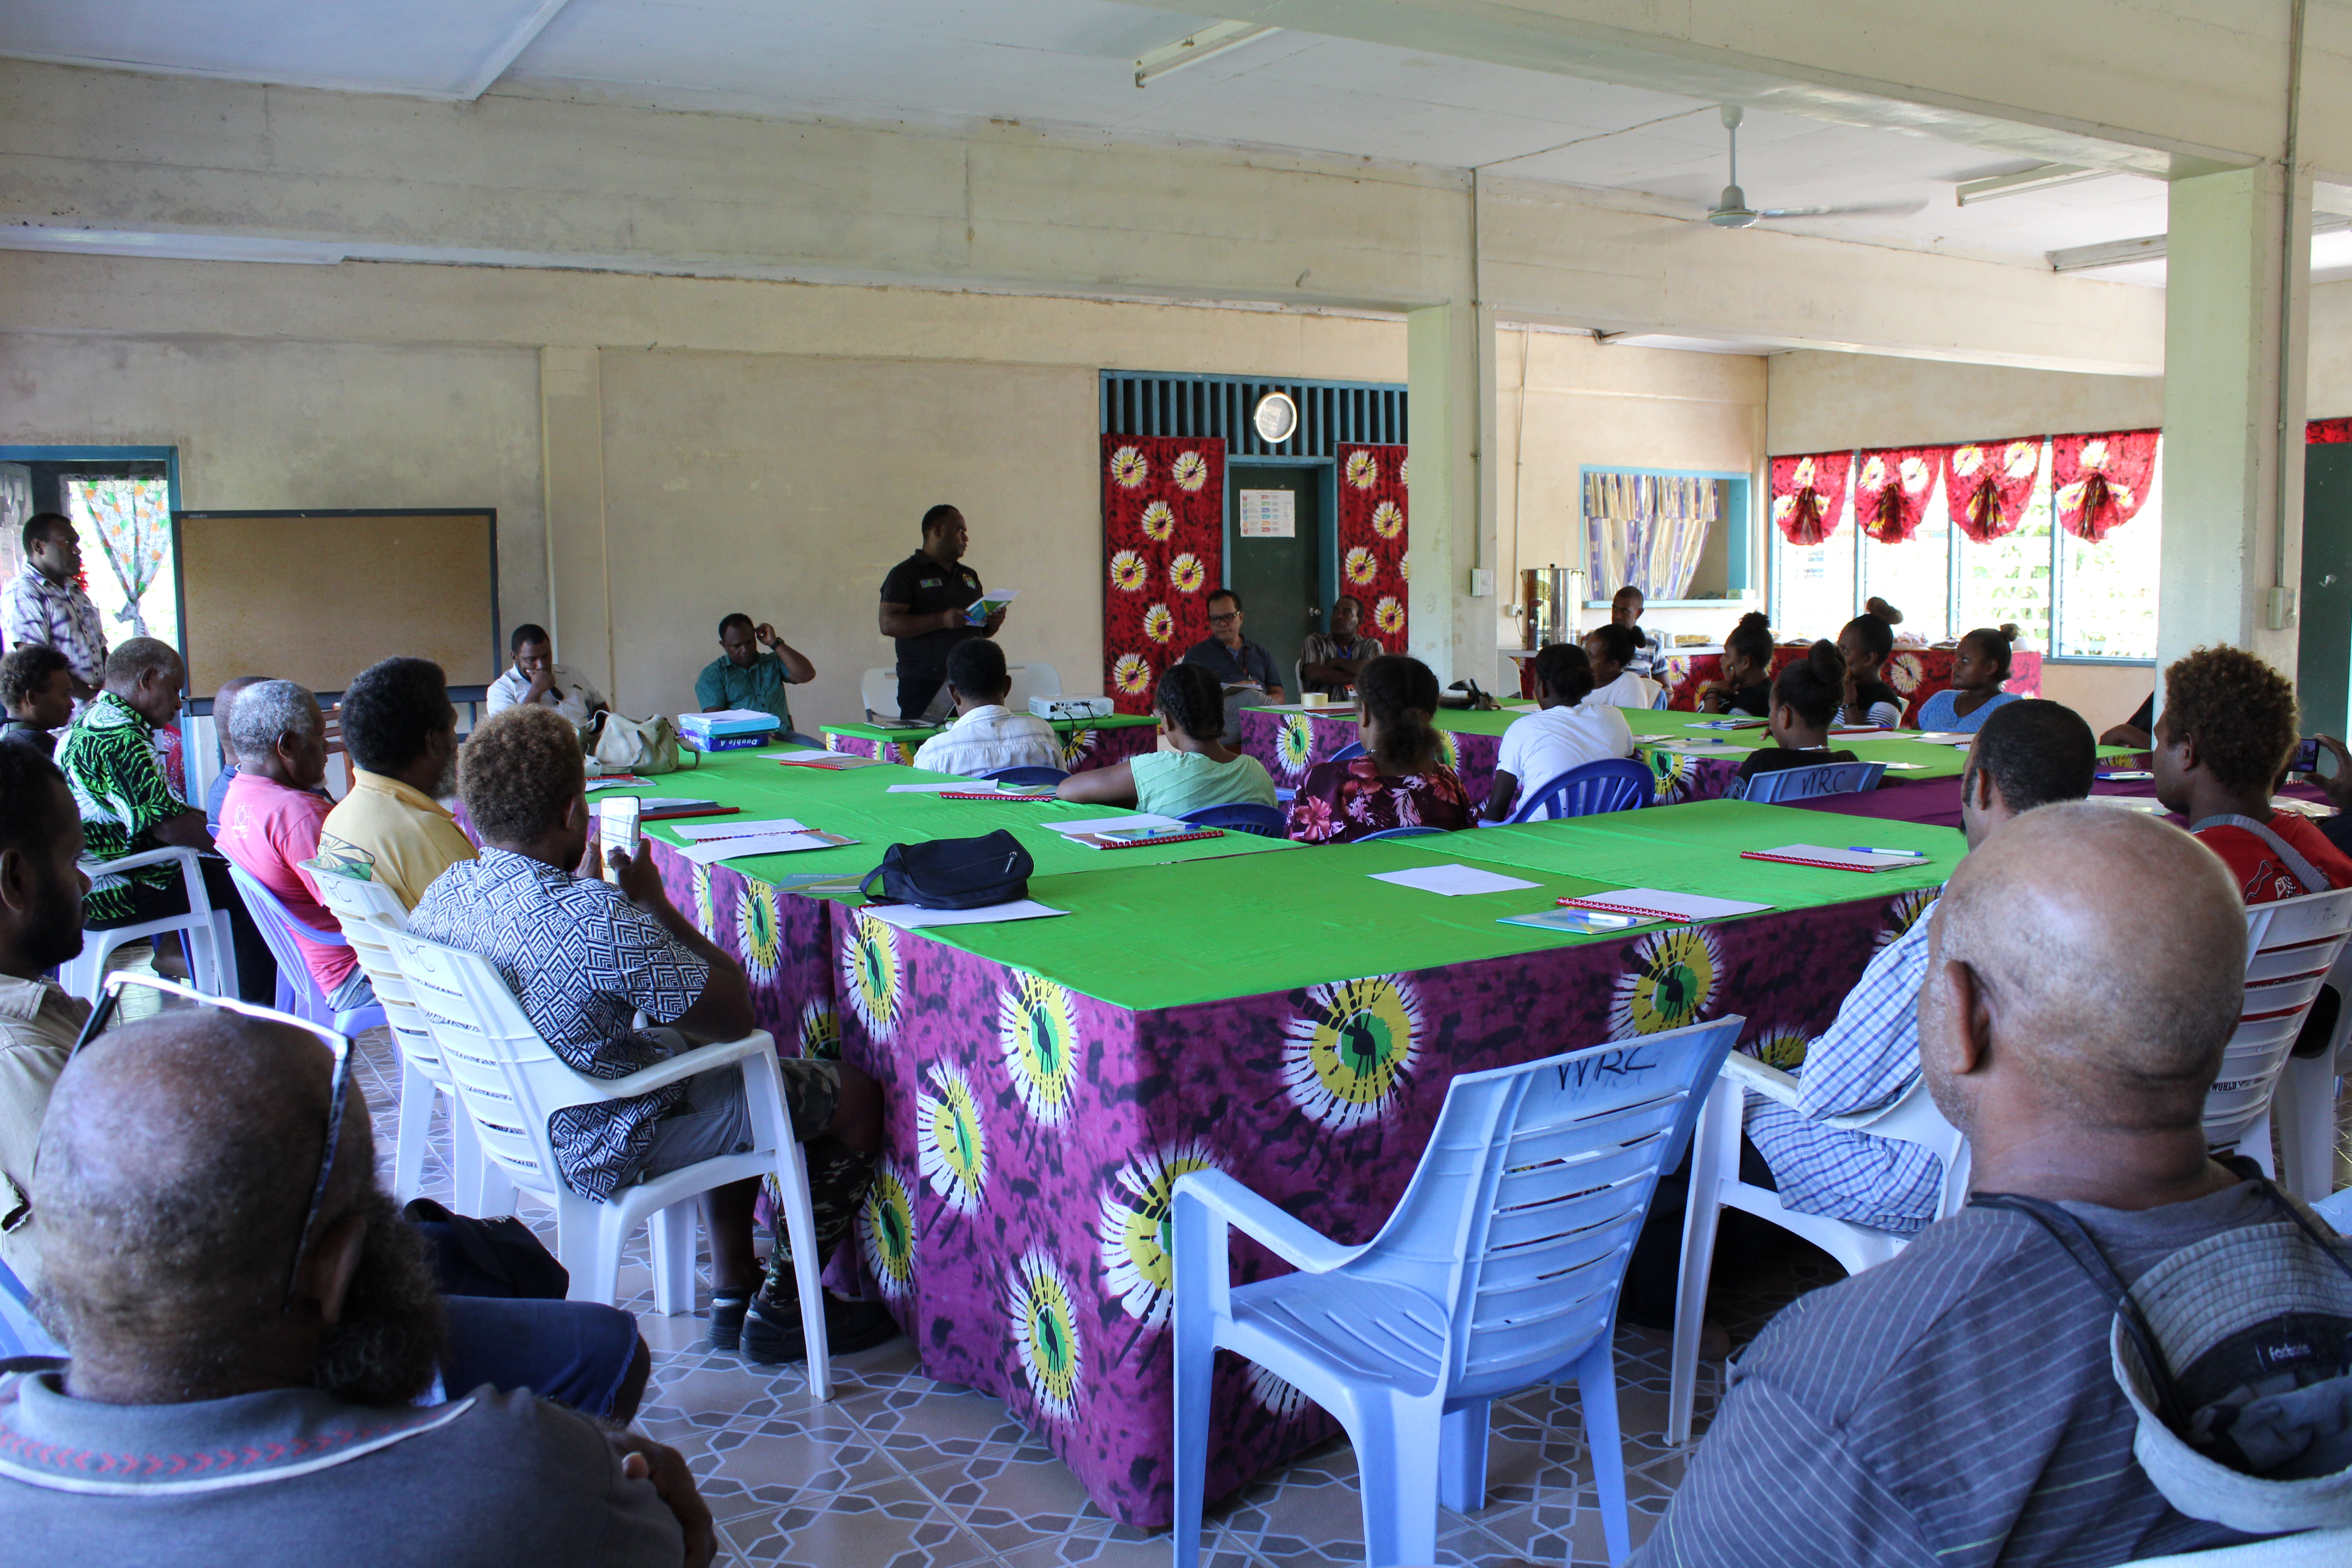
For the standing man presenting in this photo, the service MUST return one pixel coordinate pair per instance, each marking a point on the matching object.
(923, 603)
(744, 678)
(42, 604)
(537, 678)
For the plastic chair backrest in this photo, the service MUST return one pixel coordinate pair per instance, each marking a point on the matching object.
(1612, 784)
(368, 910)
(1348, 753)
(20, 1331)
(1659, 702)
(1533, 1185)
(1241, 816)
(1031, 681)
(878, 692)
(1422, 832)
(277, 927)
(1812, 784)
(2290, 947)
(1026, 775)
(508, 1078)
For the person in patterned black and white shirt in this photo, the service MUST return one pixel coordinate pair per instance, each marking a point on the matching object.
(585, 956)
(42, 604)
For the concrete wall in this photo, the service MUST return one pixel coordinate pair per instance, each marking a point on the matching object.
(1822, 402)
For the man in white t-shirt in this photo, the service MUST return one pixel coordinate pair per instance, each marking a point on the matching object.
(986, 736)
(1563, 733)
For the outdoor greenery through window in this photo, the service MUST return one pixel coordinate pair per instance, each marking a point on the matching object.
(125, 525)
(2068, 596)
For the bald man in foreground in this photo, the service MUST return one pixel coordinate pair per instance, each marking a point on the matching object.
(1955, 1406)
(241, 1388)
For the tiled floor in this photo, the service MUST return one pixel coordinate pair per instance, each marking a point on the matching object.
(898, 1471)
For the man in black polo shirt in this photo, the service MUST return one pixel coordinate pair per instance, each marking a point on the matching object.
(923, 604)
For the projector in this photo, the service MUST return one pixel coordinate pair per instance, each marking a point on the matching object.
(1070, 707)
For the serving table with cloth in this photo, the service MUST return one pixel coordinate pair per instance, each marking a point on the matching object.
(1236, 1003)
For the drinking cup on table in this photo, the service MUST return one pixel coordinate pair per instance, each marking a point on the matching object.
(1315, 698)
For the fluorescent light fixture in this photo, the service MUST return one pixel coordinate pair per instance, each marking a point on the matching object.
(1213, 39)
(2041, 177)
(169, 247)
(2151, 248)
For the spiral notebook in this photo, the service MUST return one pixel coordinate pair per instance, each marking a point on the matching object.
(1135, 838)
(1657, 904)
(1830, 860)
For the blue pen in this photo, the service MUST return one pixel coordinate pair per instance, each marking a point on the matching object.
(1867, 849)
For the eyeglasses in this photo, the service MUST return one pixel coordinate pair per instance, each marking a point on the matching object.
(340, 1044)
(1226, 619)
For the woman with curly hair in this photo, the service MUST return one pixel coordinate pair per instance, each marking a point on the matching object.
(1194, 769)
(2227, 732)
(1400, 780)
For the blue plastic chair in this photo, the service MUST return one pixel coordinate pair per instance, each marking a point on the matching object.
(1033, 777)
(20, 1331)
(1347, 754)
(296, 992)
(1397, 833)
(1612, 784)
(1243, 817)
(1498, 1271)
(1658, 702)
(1812, 784)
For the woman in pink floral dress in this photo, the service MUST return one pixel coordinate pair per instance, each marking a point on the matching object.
(1399, 782)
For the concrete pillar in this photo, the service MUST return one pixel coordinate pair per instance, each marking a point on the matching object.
(2231, 422)
(572, 474)
(1450, 377)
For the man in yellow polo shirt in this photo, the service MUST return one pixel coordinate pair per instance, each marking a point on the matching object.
(402, 732)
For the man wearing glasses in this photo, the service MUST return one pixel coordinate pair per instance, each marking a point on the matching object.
(1244, 667)
(252, 1324)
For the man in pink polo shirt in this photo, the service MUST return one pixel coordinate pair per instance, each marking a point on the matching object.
(270, 820)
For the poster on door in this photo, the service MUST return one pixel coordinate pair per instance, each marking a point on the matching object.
(1269, 514)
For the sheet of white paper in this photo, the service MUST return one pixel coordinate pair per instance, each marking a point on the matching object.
(1934, 737)
(907, 917)
(622, 781)
(737, 827)
(1112, 823)
(1453, 882)
(718, 849)
(930, 788)
(1672, 906)
(805, 756)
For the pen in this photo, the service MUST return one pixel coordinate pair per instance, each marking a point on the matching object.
(1867, 849)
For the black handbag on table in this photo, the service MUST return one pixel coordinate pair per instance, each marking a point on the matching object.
(954, 873)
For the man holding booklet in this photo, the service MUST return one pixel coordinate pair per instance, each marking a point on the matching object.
(930, 602)
(2029, 753)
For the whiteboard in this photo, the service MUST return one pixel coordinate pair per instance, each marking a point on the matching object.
(317, 596)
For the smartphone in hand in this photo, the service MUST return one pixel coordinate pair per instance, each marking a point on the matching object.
(2306, 756)
(620, 826)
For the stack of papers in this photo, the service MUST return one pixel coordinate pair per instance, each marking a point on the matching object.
(743, 846)
(912, 917)
(741, 828)
(726, 721)
(1117, 824)
(1453, 882)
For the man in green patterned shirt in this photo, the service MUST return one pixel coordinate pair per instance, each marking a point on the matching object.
(110, 763)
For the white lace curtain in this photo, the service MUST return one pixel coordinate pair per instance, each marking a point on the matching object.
(1648, 530)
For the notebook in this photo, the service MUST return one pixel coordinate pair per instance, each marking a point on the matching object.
(1657, 904)
(1115, 824)
(1135, 838)
(1834, 859)
(747, 828)
(717, 849)
(1578, 922)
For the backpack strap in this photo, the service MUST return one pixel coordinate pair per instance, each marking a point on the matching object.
(2307, 877)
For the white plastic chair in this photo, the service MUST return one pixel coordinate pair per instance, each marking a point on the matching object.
(212, 950)
(2303, 1110)
(1714, 1186)
(510, 1082)
(1031, 681)
(878, 692)
(368, 910)
(1498, 1271)
(2291, 946)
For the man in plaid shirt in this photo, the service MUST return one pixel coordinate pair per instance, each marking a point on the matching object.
(41, 603)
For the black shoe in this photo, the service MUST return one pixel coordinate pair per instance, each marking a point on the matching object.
(771, 1335)
(726, 1321)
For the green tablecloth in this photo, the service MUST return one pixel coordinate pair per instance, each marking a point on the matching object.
(857, 802)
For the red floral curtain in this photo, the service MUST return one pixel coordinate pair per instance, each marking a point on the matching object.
(1163, 553)
(2327, 432)
(1891, 487)
(2099, 480)
(1988, 484)
(1373, 537)
(1808, 494)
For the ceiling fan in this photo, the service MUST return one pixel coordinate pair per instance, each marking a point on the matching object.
(1731, 209)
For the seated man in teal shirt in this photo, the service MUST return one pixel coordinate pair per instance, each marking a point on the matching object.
(746, 678)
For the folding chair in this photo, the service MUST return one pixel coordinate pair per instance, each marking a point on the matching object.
(1498, 1271)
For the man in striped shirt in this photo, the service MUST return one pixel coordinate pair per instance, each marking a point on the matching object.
(2028, 754)
(1955, 1407)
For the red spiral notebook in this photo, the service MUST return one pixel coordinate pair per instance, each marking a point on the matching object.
(1830, 860)
(987, 795)
(1657, 904)
(1139, 837)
